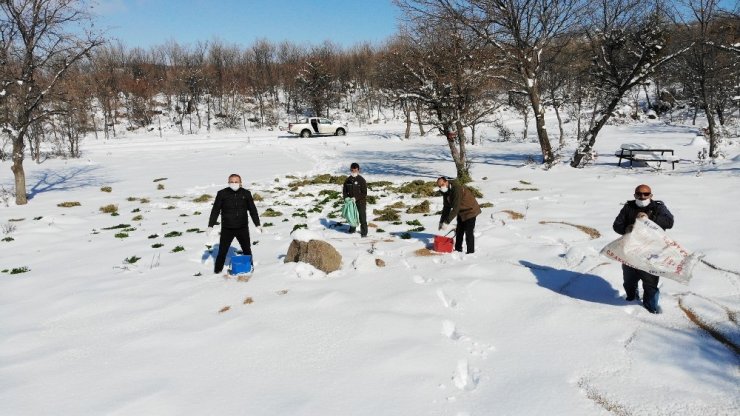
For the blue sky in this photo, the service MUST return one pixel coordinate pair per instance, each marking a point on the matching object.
(144, 23)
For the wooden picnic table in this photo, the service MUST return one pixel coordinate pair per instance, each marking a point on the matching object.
(643, 153)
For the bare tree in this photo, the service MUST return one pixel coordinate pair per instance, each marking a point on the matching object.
(627, 39)
(519, 30)
(40, 41)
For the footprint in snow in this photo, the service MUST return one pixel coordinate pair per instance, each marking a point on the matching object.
(446, 301)
(465, 378)
(421, 279)
(450, 330)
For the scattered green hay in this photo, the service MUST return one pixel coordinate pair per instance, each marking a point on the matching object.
(525, 182)
(380, 230)
(178, 249)
(269, 212)
(203, 198)
(330, 193)
(285, 220)
(255, 197)
(109, 209)
(174, 197)
(287, 177)
(19, 270)
(135, 210)
(405, 236)
(37, 218)
(591, 232)
(106, 189)
(397, 222)
(413, 223)
(418, 188)
(171, 207)
(115, 227)
(159, 180)
(299, 226)
(300, 214)
(183, 215)
(517, 189)
(386, 214)
(16, 219)
(334, 214)
(157, 245)
(137, 218)
(513, 214)
(267, 224)
(153, 236)
(131, 260)
(337, 203)
(279, 188)
(421, 208)
(197, 213)
(173, 234)
(486, 205)
(132, 199)
(379, 184)
(476, 192)
(160, 186)
(8, 239)
(144, 200)
(302, 195)
(114, 214)
(425, 252)
(194, 230)
(372, 199)
(121, 235)
(322, 179)
(397, 205)
(69, 204)
(417, 230)
(485, 178)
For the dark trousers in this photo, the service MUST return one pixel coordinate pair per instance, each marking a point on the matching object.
(361, 210)
(227, 236)
(650, 295)
(465, 228)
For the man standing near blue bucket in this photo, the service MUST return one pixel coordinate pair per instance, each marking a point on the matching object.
(234, 204)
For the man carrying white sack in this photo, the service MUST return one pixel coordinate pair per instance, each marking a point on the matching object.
(643, 206)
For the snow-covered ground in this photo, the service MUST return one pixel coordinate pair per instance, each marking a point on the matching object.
(533, 323)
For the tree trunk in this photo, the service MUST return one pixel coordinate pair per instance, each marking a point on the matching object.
(19, 174)
(418, 119)
(539, 117)
(461, 163)
(407, 113)
(560, 127)
(590, 138)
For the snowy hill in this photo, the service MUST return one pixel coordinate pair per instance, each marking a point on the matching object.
(533, 323)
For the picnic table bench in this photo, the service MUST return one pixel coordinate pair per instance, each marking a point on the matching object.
(643, 153)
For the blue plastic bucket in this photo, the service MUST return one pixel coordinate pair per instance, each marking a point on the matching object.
(241, 264)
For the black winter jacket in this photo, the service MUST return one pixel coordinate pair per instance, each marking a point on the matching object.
(233, 207)
(355, 187)
(656, 211)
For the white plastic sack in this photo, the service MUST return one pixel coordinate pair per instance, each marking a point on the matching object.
(649, 248)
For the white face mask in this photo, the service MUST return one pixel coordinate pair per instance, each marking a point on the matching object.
(443, 189)
(642, 203)
(354, 174)
(235, 186)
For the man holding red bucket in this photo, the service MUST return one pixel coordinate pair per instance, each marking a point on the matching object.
(460, 203)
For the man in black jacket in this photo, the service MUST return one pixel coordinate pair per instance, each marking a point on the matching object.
(233, 203)
(356, 187)
(643, 206)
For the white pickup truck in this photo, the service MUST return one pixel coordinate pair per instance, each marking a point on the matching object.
(316, 126)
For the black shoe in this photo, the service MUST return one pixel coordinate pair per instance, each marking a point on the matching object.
(630, 298)
(351, 230)
(470, 252)
(363, 235)
(217, 271)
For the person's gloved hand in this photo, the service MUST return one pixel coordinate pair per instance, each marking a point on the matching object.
(443, 226)
(212, 232)
(642, 215)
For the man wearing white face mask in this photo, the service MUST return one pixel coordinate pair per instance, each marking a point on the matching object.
(234, 204)
(643, 206)
(355, 187)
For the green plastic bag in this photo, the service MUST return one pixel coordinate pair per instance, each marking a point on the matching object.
(350, 213)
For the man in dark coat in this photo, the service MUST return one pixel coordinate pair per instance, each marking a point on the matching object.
(356, 187)
(643, 206)
(458, 202)
(234, 204)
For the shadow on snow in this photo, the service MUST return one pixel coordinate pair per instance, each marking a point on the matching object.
(588, 287)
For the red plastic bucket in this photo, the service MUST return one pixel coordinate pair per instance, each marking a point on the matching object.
(443, 244)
